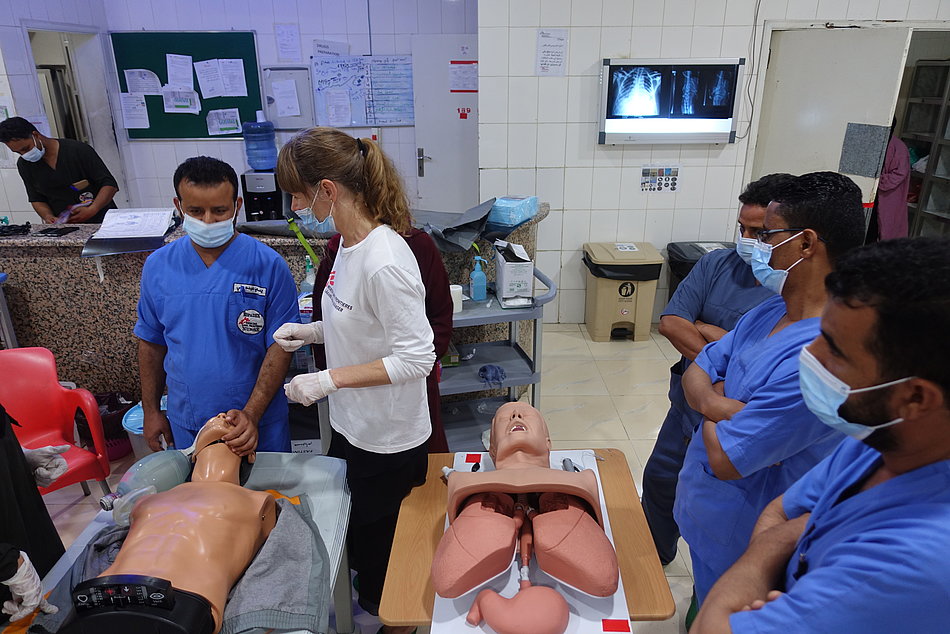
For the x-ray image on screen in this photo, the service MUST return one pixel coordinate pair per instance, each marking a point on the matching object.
(706, 91)
(638, 91)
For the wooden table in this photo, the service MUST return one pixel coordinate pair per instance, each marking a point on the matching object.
(408, 595)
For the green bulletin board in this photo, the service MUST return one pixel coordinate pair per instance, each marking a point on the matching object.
(147, 50)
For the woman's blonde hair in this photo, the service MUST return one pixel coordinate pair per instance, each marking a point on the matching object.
(357, 164)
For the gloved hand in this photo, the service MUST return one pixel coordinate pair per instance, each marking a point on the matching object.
(292, 336)
(307, 389)
(27, 591)
(47, 463)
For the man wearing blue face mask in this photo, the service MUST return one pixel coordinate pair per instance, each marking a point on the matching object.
(860, 542)
(209, 306)
(63, 177)
(706, 305)
(757, 436)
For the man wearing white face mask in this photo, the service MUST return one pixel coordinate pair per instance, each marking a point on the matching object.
(707, 304)
(860, 543)
(757, 436)
(209, 306)
(62, 176)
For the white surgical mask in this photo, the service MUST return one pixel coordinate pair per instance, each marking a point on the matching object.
(824, 394)
(35, 153)
(772, 279)
(208, 235)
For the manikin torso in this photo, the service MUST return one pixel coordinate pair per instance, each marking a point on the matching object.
(553, 514)
(200, 535)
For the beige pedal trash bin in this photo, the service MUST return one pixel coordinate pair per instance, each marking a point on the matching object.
(621, 286)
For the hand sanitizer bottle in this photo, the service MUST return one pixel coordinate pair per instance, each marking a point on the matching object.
(479, 287)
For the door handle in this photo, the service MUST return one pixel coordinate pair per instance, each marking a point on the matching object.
(421, 159)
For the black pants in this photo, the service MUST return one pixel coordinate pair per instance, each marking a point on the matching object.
(378, 483)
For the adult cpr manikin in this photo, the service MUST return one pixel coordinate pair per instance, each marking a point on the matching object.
(555, 514)
(200, 535)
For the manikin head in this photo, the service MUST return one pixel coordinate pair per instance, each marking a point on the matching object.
(519, 437)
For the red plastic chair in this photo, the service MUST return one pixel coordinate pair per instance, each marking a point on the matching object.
(31, 394)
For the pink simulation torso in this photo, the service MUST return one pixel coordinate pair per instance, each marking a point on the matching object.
(200, 535)
(523, 504)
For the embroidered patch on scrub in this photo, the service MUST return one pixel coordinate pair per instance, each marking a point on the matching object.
(250, 322)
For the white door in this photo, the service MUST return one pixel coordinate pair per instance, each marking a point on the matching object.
(819, 80)
(445, 93)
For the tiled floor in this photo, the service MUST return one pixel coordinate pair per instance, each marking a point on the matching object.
(592, 395)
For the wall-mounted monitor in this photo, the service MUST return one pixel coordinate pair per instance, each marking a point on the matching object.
(669, 100)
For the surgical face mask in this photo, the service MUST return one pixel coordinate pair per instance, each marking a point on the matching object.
(767, 276)
(207, 235)
(745, 247)
(34, 154)
(309, 220)
(824, 394)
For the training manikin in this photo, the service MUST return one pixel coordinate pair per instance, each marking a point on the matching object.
(523, 502)
(200, 535)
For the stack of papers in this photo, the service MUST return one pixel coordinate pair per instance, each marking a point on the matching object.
(129, 231)
(135, 223)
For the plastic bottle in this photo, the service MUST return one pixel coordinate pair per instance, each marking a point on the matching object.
(479, 285)
(260, 143)
(306, 286)
(154, 473)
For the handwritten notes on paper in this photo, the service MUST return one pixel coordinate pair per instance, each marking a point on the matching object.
(363, 91)
(551, 60)
(288, 42)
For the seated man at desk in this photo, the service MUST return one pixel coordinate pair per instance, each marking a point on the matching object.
(856, 544)
(200, 536)
(487, 510)
(60, 175)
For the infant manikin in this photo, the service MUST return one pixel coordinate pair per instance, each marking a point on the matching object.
(523, 504)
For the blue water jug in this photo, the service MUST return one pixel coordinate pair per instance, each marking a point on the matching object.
(260, 143)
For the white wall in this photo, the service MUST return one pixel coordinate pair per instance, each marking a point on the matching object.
(150, 164)
(538, 135)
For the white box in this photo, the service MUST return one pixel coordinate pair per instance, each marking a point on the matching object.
(514, 271)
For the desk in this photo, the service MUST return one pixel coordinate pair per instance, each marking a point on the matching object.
(408, 594)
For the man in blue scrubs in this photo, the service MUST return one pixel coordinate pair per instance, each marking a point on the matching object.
(757, 436)
(861, 542)
(717, 292)
(208, 309)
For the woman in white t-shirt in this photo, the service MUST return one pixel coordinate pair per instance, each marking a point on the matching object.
(378, 340)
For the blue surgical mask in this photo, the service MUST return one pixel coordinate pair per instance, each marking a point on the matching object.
(745, 247)
(207, 235)
(824, 394)
(309, 221)
(34, 154)
(767, 276)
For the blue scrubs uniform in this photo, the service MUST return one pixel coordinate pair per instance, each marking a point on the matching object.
(718, 290)
(772, 442)
(217, 323)
(874, 561)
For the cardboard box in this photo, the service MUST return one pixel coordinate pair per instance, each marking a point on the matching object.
(514, 271)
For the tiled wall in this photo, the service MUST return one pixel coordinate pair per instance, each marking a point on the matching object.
(538, 135)
(149, 165)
